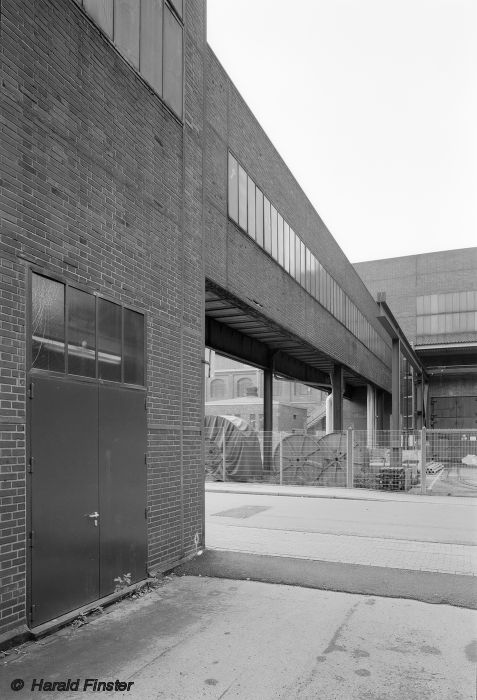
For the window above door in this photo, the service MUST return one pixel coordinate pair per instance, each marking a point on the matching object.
(78, 333)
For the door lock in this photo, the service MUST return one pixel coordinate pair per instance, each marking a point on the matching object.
(94, 516)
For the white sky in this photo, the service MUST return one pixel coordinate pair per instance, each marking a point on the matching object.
(373, 106)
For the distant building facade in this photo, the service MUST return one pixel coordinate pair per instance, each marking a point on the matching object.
(434, 298)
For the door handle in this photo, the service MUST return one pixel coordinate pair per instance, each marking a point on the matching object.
(94, 516)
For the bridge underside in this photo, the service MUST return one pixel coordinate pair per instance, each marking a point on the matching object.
(241, 331)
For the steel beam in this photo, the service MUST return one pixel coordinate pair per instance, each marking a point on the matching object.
(337, 390)
(267, 417)
(241, 347)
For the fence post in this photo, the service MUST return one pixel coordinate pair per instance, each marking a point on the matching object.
(224, 470)
(349, 458)
(423, 461)
(281, 457)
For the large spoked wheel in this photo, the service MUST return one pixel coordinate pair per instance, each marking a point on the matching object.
(308, 460)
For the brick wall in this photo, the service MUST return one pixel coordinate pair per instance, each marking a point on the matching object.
(102, 185)
(239, 266)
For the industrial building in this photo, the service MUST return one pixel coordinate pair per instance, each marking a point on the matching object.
(144, 215)
(434, 298)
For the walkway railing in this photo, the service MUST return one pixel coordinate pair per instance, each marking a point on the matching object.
(432, 462)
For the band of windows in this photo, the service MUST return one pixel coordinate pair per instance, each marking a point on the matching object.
(255, 214)
(148, 33)
(455, 312)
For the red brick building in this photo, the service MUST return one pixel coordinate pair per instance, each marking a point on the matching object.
(144, 213)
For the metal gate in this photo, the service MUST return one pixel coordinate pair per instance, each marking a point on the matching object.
(88, 492)
(454, 412)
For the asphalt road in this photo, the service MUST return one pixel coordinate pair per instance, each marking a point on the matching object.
(254, 529)
(423, 520)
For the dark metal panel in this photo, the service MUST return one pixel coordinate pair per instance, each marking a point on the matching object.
(64, 492)
(290, 367)
(122, 485)
(233, 343)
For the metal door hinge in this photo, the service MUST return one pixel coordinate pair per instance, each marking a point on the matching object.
(32, 538)
(30, 465)
(146, 512)
(145, 458)
(31, 390)
(32, 612)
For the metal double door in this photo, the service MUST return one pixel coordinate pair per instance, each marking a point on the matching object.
(454, 412)
(88, 493)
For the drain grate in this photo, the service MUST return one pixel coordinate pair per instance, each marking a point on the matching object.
(242, 512)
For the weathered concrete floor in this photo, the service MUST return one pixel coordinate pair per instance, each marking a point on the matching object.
(425, 586)
(209, 638)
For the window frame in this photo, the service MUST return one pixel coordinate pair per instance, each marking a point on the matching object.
(166, 4)
(64, 375)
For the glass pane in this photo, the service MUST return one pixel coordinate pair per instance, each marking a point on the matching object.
(109, 340)
(81, 333)
(303, 265)
(259, 218)
(150, 62)
(48, 324)
(233, 188)
(242, 198)
(292, 253)
(172, 62)
(308, 270)
(280, 240)
(419, 306)
(101, 11)
(314, 266)
(323, 276)
(286, 246)
(297, 259)
(126, 29)
(274, 221)
(251, 208)
(267, 227)
(133, 347)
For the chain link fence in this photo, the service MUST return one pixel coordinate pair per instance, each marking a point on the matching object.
(427, 462)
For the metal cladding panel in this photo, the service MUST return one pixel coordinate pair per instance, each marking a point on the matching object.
(65, 541)
(122, 485)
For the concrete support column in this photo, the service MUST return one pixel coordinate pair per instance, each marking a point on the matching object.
(371, 415)
(396, 404)
(380, 409)
(337, 389)
(267, 418)
(329, 414)
(419, 402)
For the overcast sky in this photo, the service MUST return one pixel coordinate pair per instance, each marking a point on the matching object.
(373, 106)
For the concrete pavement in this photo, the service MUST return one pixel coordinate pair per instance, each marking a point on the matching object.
(217, 635)
(412, 533)
(207, 638)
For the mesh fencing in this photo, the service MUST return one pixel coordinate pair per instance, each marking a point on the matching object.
(432, 462)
